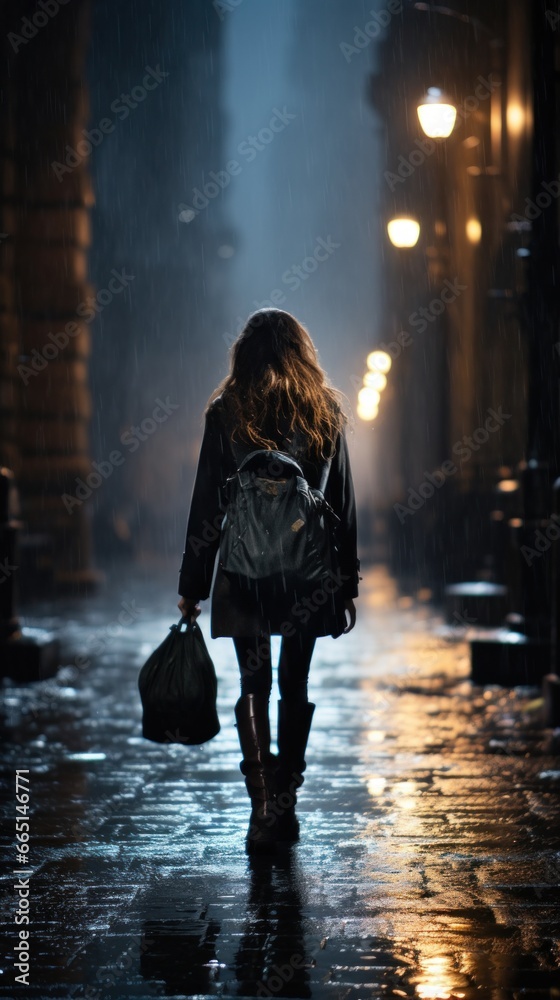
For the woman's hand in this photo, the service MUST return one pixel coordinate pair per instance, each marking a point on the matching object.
(351, 609)
(189, 608)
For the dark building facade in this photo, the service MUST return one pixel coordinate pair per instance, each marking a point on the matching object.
(456, 304)
(111, 304)
(46, 343)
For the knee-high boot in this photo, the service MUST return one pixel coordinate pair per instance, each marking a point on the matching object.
(294, 724)
(259, 767)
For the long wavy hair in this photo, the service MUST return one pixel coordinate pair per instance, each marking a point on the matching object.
(274, 371)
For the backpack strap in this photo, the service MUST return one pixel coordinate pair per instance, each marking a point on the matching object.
(275, 455)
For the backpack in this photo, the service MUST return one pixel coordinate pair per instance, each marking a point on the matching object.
(278, 533)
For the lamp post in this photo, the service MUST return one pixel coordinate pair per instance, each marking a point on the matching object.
(437, 116)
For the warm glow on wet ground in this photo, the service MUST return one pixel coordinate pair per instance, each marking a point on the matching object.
(430, 854)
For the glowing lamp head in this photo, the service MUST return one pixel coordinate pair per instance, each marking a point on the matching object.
(436, 114)
(515, 117)
(379, 361)
(368, 403)
(403, 232)
(367, 412)
(375, 380)
(473, 229)
(369, 397)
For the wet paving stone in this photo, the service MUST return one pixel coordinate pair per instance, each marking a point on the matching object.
(429, 860)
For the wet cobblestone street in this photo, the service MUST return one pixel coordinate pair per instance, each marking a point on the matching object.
(429, 861)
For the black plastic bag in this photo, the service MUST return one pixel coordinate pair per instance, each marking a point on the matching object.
(178, 688)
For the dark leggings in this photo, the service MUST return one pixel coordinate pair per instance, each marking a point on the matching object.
(255, 665)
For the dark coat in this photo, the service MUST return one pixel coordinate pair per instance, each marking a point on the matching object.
(235, 615)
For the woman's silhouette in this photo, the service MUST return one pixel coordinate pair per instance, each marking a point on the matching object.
(275, 397)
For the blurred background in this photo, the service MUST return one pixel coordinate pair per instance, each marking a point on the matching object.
(386, 171)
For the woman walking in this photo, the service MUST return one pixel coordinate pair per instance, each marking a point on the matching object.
(275, 397)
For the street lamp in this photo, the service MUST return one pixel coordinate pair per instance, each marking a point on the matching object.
(368, 404)
(375, 380)
(473, 229)
(367, 412)
(516, 118)
(369, 397)
(379, 361)
(403, 232)
(436, 114)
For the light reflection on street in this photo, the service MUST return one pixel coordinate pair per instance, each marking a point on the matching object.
(428, 856)
(440, 807)
(436, 980)
(376, 785)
